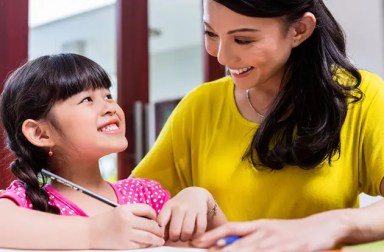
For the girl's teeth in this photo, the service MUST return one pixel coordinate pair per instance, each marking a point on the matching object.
(109, 128)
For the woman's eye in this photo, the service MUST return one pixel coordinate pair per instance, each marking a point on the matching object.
(86, 99)
(243, 41)
(209, 34)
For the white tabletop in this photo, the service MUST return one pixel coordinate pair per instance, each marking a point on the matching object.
(157, 249)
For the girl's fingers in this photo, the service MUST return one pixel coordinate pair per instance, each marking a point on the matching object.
(201, 225)
(147, 225)
(145, 239)
(188, 227)
(164, 216)
(142, 210)
(175, 225)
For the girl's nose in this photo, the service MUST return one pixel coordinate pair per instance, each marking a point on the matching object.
(109, 108)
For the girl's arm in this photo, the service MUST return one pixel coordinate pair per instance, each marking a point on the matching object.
(120, 228)
(189, 214)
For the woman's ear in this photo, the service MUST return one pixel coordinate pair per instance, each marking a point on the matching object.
(303, 28)
(37, 133)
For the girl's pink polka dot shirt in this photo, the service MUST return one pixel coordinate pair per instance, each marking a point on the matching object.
(128, 191)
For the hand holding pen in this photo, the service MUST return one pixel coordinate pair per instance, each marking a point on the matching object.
(129, 221)
(81, 189)
(227, 240)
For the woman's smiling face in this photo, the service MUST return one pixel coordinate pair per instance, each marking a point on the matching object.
(254, 50)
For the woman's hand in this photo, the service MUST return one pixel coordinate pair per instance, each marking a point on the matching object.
(187, 215)
(317, 232)
(126, 227)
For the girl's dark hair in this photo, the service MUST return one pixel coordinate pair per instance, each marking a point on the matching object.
(304, 123)
(29, 93)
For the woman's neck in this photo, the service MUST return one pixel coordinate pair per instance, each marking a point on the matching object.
(254, 104)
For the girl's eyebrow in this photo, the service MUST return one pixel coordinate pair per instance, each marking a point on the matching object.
(236, 30)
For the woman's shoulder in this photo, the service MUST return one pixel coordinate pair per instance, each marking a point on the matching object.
(372, 79)
(212, 88)
(212, 92)
(372, 85)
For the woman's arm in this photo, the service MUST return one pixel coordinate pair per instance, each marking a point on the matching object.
(121, 228)
(316, 232)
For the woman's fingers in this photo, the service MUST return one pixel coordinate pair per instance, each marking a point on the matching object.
(210, 238)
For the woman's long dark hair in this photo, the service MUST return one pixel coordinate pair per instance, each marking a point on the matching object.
(29, 93)
(304, 123)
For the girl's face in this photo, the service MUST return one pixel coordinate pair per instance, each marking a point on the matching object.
(91, 123)
(255, 50)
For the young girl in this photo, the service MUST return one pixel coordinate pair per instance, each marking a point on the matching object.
(58, 114)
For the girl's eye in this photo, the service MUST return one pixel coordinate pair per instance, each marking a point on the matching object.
(86, 99)
(108, 97)
(209, 34)
(243, 41)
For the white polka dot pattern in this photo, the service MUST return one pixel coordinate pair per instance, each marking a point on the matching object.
(137, 190)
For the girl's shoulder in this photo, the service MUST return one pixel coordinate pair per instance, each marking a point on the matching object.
(16, 192)
(137, 183)
(141, 190)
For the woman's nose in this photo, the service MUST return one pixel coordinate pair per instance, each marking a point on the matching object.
(224, 55)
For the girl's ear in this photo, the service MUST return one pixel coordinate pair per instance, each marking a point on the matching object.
(37, 133)
(303, 28)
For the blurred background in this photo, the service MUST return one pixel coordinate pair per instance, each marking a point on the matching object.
(176, 61)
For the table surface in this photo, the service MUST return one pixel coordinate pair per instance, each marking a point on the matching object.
(373, 246)
(157, 249)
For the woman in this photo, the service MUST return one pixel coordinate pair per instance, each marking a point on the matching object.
(292, 133)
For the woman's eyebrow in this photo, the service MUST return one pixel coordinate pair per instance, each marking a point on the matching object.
(236, 30)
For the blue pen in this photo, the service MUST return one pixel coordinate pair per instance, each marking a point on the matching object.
(227, 240)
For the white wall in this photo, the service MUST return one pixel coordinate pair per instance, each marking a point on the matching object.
(363, 23)
(174, 73)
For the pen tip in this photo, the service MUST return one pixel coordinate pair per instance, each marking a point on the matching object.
(220, 243)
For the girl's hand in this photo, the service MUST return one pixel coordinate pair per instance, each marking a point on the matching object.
(125, 227)
(317, 232)
(187, 214)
